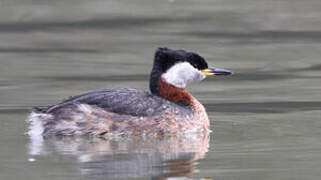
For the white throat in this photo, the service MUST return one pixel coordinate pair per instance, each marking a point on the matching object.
(182, 74)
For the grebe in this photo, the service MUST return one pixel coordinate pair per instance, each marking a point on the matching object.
(168, 109)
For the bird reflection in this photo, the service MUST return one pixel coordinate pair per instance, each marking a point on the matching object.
(128, 157)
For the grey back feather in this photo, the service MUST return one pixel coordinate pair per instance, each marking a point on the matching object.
(123, 101)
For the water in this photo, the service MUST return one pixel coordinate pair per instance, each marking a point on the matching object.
(265, 118)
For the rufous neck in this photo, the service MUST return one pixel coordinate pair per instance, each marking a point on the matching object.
(174, 94)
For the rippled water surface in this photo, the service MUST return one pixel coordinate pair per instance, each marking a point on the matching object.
(266, 118)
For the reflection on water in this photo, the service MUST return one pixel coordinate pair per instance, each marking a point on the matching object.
(128, 157)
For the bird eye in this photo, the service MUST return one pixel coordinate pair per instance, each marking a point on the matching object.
(194, 65)
(197, 66)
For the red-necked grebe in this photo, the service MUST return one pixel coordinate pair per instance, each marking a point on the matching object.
(168, 109)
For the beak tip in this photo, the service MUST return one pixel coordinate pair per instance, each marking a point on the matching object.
(230, 73)
(223, 72)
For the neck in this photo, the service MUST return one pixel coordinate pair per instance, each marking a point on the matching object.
(177, 95)
(174, 94)
(153, 80)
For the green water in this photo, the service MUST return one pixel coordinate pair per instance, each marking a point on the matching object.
(266, 118)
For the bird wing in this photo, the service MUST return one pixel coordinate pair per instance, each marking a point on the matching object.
(119, 100)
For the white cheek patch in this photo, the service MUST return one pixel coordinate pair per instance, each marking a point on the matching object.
(182, 74)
